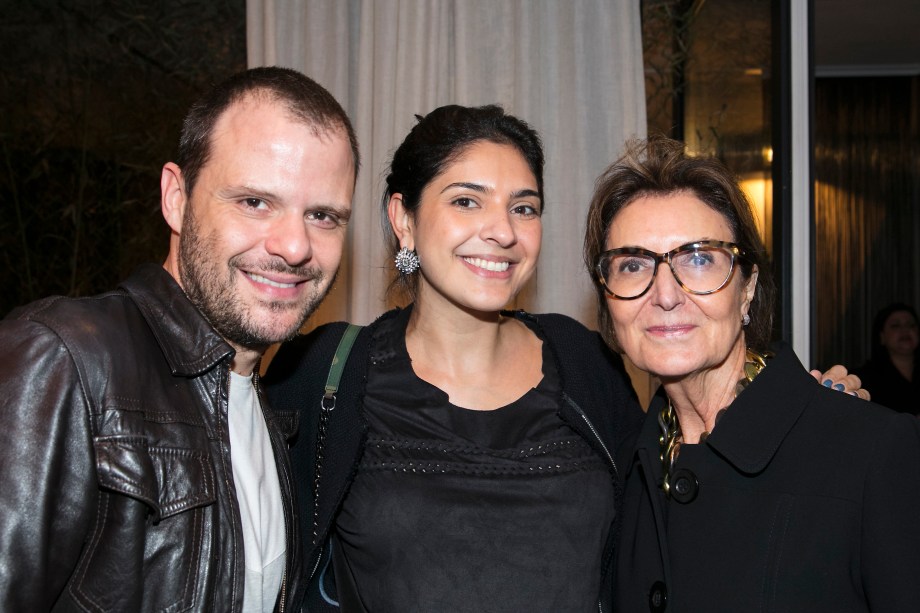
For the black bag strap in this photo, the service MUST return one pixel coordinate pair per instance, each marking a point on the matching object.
(338, 365)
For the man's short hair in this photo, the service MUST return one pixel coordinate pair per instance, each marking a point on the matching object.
(305, 99)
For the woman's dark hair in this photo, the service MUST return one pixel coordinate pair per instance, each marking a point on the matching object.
(306, 100)
(879, 352)
(660, 166)
(436, 141)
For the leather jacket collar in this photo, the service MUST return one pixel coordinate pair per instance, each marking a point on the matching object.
(189, 343)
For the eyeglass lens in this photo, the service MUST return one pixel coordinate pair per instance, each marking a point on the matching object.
(700, 270)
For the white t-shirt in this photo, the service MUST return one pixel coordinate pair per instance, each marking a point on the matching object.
(258, 492)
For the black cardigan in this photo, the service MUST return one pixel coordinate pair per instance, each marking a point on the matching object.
(597, 401)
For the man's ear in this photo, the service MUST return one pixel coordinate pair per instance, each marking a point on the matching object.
(400, 221)
(173, 197)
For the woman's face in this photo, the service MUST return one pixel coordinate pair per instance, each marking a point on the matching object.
(668, 331)
(899, 334)
(477, 229)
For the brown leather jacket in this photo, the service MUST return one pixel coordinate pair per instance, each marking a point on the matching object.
(116, 492)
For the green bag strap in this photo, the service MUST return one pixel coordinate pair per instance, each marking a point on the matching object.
(338, 365)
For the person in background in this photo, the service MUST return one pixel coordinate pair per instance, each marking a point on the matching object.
(892, 372)
(140, 468)
(752, 487)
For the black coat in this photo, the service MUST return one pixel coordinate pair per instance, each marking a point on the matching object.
(806, 499)
(597, 402)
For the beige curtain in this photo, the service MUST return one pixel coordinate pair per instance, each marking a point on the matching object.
(572, 69)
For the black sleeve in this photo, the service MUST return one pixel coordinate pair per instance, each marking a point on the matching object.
(595, 377)
(299, 369)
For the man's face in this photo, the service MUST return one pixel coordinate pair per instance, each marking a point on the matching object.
(262, 234)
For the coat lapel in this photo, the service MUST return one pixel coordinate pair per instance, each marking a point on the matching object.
(756, 423)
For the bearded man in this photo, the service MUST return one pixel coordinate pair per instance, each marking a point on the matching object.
(140, 467)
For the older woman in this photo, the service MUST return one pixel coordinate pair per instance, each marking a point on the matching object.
(752, 487)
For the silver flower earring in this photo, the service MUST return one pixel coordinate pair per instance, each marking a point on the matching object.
(745, 319)
(406, 261)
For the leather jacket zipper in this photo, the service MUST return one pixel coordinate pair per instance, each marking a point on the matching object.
(283, 590)
(319, 558)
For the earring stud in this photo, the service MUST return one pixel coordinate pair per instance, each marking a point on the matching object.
(406, 261)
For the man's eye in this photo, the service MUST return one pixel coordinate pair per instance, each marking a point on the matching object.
(323, 219)
(254, 203)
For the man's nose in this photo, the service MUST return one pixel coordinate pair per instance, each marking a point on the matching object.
(289, 239)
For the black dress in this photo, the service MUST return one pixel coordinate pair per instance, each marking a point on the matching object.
(454, 509)
(594, 400)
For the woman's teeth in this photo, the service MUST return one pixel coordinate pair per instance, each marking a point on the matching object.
(487, 264)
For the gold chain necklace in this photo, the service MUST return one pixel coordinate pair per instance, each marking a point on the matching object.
(670, 439)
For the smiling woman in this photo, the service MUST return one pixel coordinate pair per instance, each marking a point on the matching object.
(477, 241)
(670, 330)
(752, 486)
(469, 462)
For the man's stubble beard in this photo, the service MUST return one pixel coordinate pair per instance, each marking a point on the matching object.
(212, 289)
